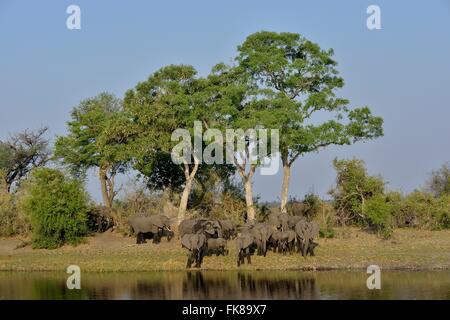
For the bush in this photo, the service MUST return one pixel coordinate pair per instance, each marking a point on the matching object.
(143, 203)
(439, 182)
(7, 214)
(326, 217)
(378, 213)
(58, 207)
(231, 207)
(353, 187)
(13, 221)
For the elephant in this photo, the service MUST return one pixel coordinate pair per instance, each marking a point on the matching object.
(306, 232)
(154, 226)
(169, 234)
(211, 228)
(283, 221)
(284, 241)
(217, 246)
(245, 247)
(262, 233)
(229, 229)
(196, 244)
(274, 219)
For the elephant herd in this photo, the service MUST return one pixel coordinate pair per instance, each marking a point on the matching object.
(281, 232)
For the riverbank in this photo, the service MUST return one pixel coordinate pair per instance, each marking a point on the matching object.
(350, 249)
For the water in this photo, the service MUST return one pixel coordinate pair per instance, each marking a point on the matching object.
(227, 285)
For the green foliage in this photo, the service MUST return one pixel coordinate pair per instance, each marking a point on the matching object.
(21, 153)
(439, 183)
(297, 79)
(353, 187)
(58, 206)
(326, 217)
(13, 220)
(313, 205)
(423, 210)
(7, 214)
(95, 142)
(81, 148)
(378, 215)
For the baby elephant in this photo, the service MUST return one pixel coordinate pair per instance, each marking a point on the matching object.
(217, 246)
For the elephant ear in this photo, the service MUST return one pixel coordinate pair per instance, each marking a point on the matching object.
(157, 221)
(315, 228)
(273, 219)
(200, 241)
(301, 229)
(186, 241)
(248, 241)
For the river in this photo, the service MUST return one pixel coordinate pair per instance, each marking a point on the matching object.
(227, 285)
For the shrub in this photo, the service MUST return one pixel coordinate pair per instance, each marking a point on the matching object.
(13, 220)
(326, 217)
(378, 213)
(58, 207)
(353, 187)
(439, 182)
(7, 214)
(231, 207)
(422, 210)
(139, 201)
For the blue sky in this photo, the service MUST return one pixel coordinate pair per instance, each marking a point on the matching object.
(401, 71)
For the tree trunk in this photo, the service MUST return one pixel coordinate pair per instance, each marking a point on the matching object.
(285, 185)
(249, 200)
(187, 188)
(104, 185)
(184, 200)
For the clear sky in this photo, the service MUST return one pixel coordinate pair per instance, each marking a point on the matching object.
(401, 71)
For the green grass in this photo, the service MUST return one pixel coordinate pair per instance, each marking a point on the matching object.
(351, 249)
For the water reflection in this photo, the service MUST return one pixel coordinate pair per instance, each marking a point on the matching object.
(226, 285)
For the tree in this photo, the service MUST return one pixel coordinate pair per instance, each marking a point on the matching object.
(159, 106)
(439, 182)
(91, 144)
(233, 102)
(298, 81)
(21, 153)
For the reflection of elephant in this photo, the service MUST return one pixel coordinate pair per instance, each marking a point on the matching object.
(196, 244)
(152, 226)
(245, 247)
(306, 232)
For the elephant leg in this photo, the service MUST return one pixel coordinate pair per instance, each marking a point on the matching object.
(305, 246)
(138, 238)
(196, 257)
(189, 261)
(311, 248)
(249, 260)
(201, 254)
(238, 260)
